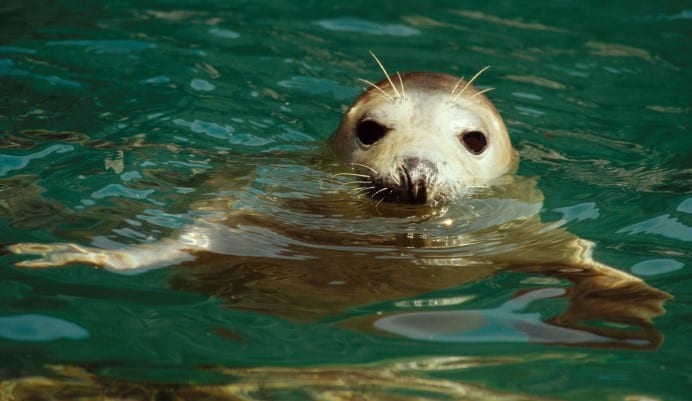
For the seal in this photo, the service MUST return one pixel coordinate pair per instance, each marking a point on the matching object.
(418, 142)
(429, 140)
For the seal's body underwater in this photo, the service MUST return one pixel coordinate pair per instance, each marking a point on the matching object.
(417, 138)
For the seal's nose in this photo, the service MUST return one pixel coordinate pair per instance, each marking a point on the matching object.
(416, 175)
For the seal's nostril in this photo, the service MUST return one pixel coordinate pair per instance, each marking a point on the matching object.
(416, 176)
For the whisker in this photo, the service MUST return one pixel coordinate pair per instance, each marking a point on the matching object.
(401, 81)
(369, 187)
(374, 194)
(382, 92)
(330, 180)
(454, 89)
(375, 172)
(386, 74)
(397, 179)
(471, 81)
(361, 190)
(357, 182)
(481, 92)
(377, 205)
(351, 175)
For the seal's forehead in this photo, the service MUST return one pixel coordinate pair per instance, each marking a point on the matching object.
(412, 85)
(422, 81)
(431, 83)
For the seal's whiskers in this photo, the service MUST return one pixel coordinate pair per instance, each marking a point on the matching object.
(374, 194)
(375, 173)
(461, 92)
(480, 92)
(386, 74)
(381, 91)
(401, 81)
(454, 89)
(352, 175)
(362, 190)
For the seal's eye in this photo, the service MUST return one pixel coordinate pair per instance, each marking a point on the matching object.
(370, 131)
(474, 141)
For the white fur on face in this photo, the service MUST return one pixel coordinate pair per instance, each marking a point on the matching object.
(427, 124)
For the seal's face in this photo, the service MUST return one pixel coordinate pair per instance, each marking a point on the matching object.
(425, 142)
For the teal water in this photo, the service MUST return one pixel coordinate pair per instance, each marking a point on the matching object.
(114, 115)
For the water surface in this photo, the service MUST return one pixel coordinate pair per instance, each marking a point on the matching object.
(117, 116)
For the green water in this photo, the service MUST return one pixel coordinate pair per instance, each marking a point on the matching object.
(114, 114)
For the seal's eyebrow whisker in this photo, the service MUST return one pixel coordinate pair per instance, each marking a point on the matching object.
(381, 91)
(454, 89)
(480, 92)
(386, 74)
(461, 92)
(401, 81)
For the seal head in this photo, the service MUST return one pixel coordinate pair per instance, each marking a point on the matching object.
(427, 140)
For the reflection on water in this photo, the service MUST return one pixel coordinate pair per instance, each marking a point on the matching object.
(398, 381)
(507, 323)
(39, 328)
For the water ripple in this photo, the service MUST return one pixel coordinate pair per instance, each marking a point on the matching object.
(318, 86)
(506, 323)
(363, 26)
(685, 206)
(8, 68)
(119, 190)
(213, 130)
(106, 46)
(16, 49)
(34, 327)
(11, 163)
(224, 33)
(654, 267)
(202, 85)
(582, 211)
(664, 225)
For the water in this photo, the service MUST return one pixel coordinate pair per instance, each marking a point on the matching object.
(117, 117)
